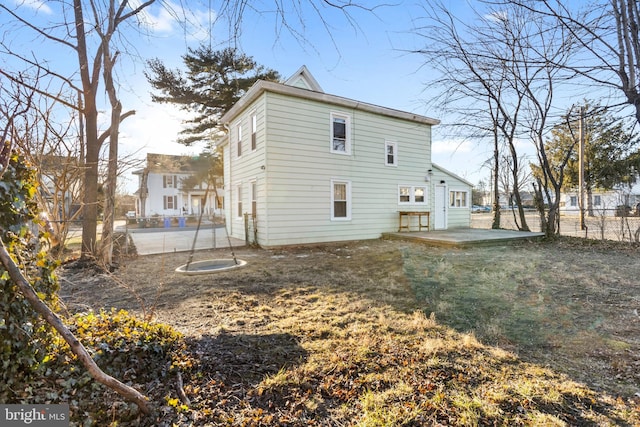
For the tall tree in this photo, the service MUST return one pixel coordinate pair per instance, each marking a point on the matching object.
(88, 29)
(610, 151)
(213, 82)
(607, 32)
(501, 69)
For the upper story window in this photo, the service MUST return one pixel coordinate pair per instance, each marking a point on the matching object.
(169, 181)
(458, 199)
(239, 136)
(340, 133)
(390, 153)
(412, 194)
(254, 131)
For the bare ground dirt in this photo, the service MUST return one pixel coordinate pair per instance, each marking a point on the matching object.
(336, 335)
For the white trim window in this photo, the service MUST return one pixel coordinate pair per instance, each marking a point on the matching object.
(239, 201)
(391, 153)
(169, 181)
(254, 131)
(412, 195)
(239, 136)
(254, 199)
(340, 133)
(170, 202)
(340, 200)
(458, 199)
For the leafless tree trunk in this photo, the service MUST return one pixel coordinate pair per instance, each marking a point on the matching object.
(477, 77)
(90, 66)
(17, 103)
(511, 60)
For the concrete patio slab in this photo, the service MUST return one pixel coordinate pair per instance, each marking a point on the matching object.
(462, 237)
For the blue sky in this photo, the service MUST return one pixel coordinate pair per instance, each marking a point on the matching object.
(364, 59)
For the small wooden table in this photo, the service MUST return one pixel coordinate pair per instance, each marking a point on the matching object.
(409, 214)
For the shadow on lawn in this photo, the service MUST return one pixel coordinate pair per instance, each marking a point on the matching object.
(243, 358)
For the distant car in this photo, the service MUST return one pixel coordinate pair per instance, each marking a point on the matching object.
(480, 209)
(130, 214)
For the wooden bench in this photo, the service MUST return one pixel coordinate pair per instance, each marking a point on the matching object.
(408, 215)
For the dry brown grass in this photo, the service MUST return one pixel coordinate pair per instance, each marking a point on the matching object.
(343, 334)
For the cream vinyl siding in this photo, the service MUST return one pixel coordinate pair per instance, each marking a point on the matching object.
(246, 169)
(300, 168)
(456, 217)
(293, 169)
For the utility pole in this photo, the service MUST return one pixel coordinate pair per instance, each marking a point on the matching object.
(581, 167)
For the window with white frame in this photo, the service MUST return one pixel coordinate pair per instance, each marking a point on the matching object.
(597, 200)
(239, 201)
(239, 137)
(254, 131)
(390, 153)
(412, 194)
(340, 200)
(254, 197)
(170, 202)
(573, 201)
(340, 133)
(458, 199)
(169, 181)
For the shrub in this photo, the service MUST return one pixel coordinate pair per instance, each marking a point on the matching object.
(24, 335)
(141, 354)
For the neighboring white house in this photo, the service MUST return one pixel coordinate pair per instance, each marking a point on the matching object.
(309, 167)
(622, 200)
(163, 190)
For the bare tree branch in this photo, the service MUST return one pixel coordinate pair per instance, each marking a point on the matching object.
(76, 346)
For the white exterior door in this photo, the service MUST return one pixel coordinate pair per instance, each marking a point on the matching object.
(440, 208)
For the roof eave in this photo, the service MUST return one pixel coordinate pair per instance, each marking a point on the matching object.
(264, 86)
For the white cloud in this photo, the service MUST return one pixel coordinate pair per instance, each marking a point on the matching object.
(154, 128)
(170, 17)
(37, 5)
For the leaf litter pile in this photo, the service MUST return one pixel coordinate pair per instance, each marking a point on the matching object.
(389, 333)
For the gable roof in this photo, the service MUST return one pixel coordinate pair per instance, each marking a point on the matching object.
(447, 172)
(301, 78)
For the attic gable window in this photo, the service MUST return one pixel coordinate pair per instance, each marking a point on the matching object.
(340, 133)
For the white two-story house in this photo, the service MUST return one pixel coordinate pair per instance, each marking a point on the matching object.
(166, 189)
(307, 167)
